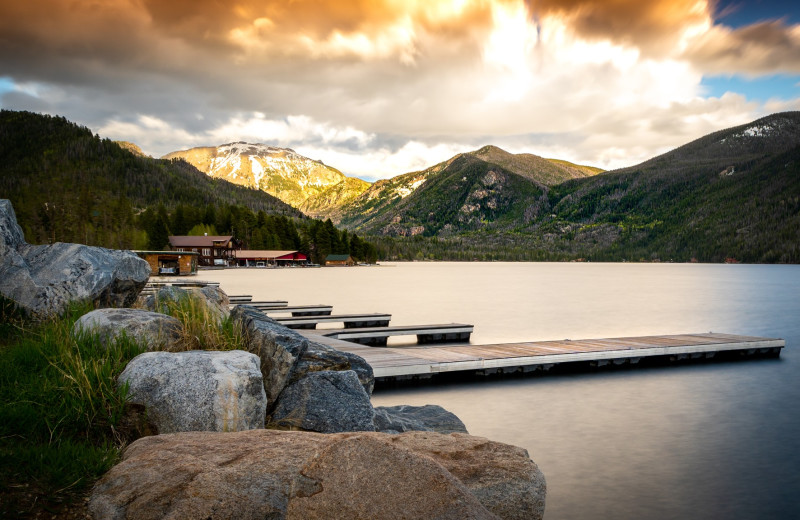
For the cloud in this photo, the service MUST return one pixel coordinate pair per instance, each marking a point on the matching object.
(655, 26)
(761, 48)
(380, 87)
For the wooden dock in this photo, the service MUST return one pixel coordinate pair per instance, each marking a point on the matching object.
(377, 336)
(269, 304)
(298, 310)
(349, 320)
(425, 361)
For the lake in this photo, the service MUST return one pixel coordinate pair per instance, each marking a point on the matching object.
(701, 441)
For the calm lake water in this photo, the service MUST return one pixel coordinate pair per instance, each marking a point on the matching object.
(707, 441)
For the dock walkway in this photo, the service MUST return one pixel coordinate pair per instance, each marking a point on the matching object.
(377, 336)
(424, 361)
(349, 320)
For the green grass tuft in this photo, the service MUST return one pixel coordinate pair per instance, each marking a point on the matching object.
(61, 407)
(63, 419)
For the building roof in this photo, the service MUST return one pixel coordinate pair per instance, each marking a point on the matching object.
(263, 253)
(173, 253)
(337, 258)
(198, 241)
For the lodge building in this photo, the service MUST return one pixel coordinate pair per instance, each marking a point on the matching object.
(212, 250)
(178, 263)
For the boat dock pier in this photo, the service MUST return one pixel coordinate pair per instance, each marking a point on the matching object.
(368, 334)
(425, 361)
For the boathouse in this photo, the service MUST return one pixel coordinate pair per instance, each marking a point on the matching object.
(263, 258)
(339, 260)
(170, 262)
(212, 250)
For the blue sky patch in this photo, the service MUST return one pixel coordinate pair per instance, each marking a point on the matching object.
(756, 89)
(6, 85)
(737, 13)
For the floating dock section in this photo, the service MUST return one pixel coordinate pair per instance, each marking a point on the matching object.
(424, 361)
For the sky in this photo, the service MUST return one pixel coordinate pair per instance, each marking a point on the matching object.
(377, 88)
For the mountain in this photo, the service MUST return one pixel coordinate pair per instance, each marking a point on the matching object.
(309, 185)
(732, 195)
(488, 187)
(68, 185)
(131, 147)
(533, 167)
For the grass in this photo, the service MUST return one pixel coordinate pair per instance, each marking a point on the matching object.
(61, 408)
(202, 328)
(63, 420)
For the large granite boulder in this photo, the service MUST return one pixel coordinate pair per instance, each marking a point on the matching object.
(287, 357)
(154, 330)
(406, 418)
(43, 280)
(325, 402)
(213, 301)
(11, 235)
(198, 390)
(303, 475)
(503, 477)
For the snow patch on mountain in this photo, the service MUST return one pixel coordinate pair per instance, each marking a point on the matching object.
(405, 191)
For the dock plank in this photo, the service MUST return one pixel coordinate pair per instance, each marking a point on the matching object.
(420, 360)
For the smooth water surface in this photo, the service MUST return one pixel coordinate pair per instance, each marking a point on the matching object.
(704, 441)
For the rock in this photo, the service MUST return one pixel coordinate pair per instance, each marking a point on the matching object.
(287, 357)
(214, 301)
(317, 357)
(404, 418)
(302, 475)
(325, 402)
(198, 390)
(371, 477)
(503, 477)
(278, 347)
(43, 280)
(154, 330)
(11, 235)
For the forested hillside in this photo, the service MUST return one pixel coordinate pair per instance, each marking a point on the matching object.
(68, 185)
(488, 188)
(730, 196)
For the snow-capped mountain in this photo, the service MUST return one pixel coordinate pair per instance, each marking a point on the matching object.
(297, 180)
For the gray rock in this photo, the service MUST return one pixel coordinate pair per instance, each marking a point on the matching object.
(318, 357)
(11, 236)
(278, 347)
(198, 390)
(44, 280)
(405, 418)
(277, 475)
(214, 301)
(153, 330)
(325, 402)
(287, 357)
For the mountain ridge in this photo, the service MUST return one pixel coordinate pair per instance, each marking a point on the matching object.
(281, 172)
(481, 187)
(67, 184)
(733, 194)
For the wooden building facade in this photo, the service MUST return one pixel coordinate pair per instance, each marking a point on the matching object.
(212, 250)
(264, 258)
(339, 260)
(170, 263)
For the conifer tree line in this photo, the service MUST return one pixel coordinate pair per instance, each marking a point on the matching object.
(68, 185)
(254, 230)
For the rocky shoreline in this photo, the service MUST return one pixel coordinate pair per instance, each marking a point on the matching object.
(282, 427)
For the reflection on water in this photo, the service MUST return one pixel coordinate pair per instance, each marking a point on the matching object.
(694, 441)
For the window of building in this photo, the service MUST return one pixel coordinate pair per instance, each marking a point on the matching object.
(206, 251)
